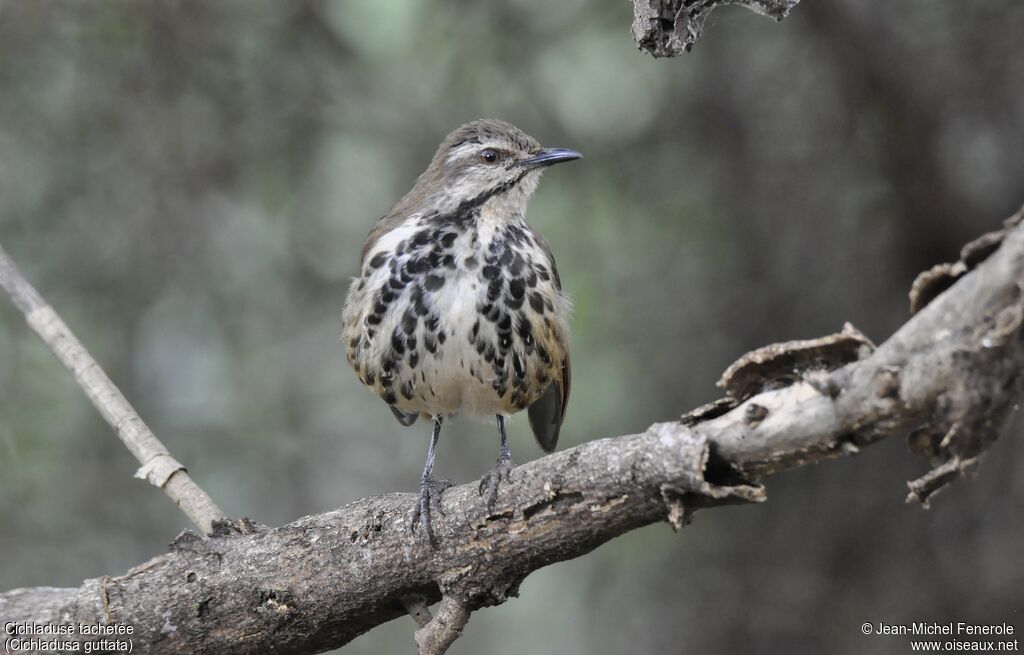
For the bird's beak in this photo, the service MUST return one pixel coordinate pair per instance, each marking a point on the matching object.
(550, 156)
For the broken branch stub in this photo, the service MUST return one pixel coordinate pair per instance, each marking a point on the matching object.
(668, 28)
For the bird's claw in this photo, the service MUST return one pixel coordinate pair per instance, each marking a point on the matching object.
(428, 503)
(490, 481)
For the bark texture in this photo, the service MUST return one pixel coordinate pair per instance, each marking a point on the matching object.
(949, 378)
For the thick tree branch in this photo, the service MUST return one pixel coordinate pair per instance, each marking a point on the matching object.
(157, 465)
(667, 28)
(949, 377)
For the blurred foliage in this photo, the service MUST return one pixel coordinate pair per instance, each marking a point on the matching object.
(189, 184)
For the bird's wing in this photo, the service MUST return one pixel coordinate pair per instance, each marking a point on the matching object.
(547, 412)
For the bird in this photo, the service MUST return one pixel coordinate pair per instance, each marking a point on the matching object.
(458, 307)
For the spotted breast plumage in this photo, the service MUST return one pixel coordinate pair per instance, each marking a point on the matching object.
(458, 307)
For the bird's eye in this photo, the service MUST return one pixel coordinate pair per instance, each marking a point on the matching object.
(489, 155)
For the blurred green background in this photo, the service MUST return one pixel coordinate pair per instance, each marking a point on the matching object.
(190, 185)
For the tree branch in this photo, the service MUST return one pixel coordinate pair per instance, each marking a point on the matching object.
(440, 632)
(949, 377)
(668, 28)
(158, 467)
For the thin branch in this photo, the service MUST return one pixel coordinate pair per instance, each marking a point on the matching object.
(949, 377)
(157, 465)
(441, 632)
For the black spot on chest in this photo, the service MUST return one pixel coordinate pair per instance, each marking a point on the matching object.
(421, 238)
(494, 288)
(537, 302)
(516, 288)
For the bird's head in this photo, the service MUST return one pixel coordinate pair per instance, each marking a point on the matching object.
(488, 159)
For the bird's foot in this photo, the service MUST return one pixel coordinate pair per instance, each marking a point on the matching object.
(489, 483)
(428, 502)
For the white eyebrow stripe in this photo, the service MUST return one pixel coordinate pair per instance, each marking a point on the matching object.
(460, 151)
(470, 146)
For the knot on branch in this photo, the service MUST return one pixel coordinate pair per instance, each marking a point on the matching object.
(477, 588)
(227, 527)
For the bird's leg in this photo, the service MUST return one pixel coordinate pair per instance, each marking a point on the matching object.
(430, 489)
(502, 466)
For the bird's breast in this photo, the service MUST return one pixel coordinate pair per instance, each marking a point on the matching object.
(457, 317)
